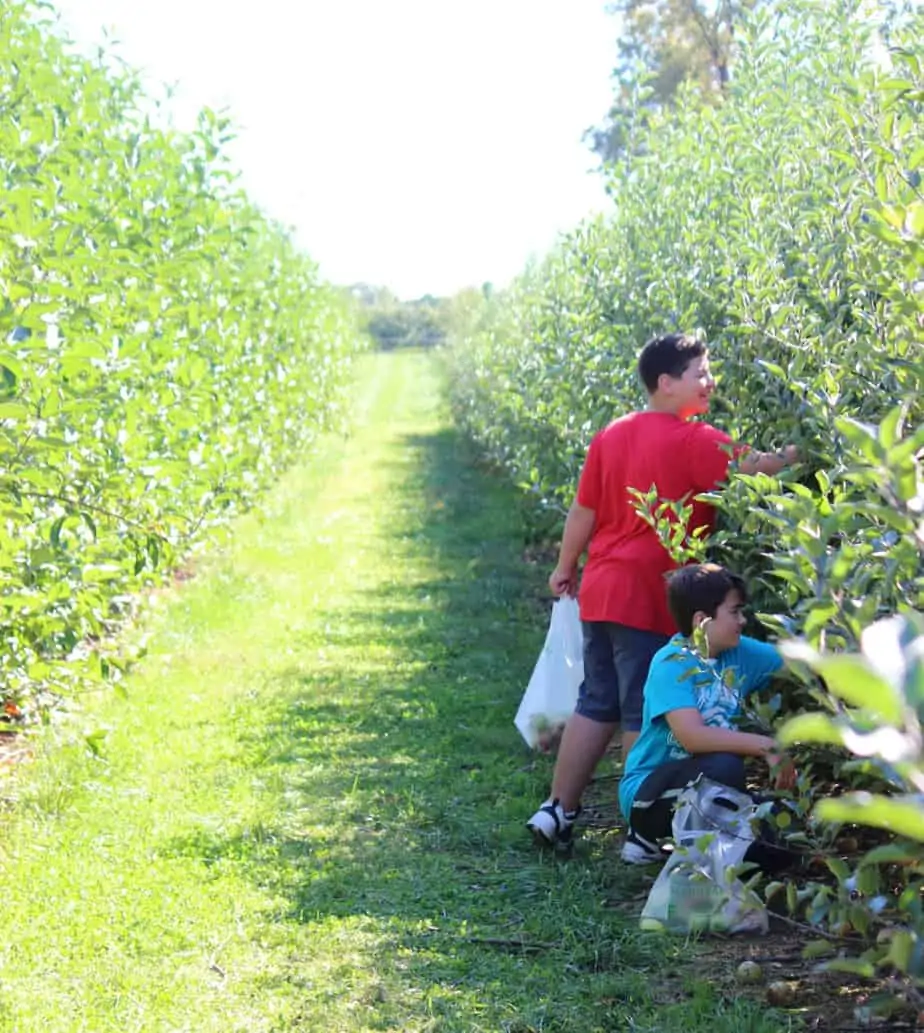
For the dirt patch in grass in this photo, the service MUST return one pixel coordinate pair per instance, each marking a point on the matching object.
(826, 1002)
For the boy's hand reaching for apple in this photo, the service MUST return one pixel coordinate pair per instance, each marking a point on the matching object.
(783, 771)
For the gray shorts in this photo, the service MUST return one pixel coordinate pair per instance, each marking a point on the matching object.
(616, 662)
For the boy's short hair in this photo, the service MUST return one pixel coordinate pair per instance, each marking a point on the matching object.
(670, 354)
(701, 587)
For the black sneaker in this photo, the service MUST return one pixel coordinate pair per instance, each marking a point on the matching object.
(552, 825)
(638, 850)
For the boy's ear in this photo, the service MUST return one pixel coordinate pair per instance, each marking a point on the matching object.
(699, 617)
(665, 380)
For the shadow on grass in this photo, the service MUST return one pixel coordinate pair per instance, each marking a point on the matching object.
(406, 785)
(414, 739)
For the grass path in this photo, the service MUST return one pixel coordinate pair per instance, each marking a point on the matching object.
(309, 813)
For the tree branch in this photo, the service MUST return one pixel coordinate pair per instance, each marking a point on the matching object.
(77, 504)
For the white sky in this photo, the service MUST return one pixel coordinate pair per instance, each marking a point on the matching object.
(423, 145)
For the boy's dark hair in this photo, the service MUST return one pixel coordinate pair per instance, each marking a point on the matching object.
(700, 587)
(670, 354)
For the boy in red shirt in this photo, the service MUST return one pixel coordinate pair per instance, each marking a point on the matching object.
(623, 595)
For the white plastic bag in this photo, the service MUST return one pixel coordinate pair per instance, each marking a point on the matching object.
(552, 691)
(698, 890)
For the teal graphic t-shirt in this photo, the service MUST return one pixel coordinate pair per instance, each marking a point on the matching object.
(679, 678)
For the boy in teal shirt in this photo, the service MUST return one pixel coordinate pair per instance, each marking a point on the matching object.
(690, 703)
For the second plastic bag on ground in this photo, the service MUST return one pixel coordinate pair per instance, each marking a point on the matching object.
(698, 889)
(552, 691)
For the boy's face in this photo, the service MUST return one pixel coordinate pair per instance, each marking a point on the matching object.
(724, 630)
(690, 392)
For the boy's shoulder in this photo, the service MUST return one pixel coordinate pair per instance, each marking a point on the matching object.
(752, 659)
(676, 672)
(748, 648)
(675, 660)
(675, 644)
(653, 420)
(633, 425)
(705, 436)
(621, 422)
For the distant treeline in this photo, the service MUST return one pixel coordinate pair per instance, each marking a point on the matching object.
(392, 323)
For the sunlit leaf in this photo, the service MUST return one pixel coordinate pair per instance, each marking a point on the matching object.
(902, 815)
(818, 728)
(858, 680)
(818, 949)
(853, 966)
(893, 853)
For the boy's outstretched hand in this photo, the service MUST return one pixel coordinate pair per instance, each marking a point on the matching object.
(563, 581)
(781, 767)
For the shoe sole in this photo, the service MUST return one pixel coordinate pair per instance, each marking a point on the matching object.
(641, 858)
(640, 862)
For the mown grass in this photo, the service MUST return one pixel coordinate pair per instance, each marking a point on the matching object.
(310, 810)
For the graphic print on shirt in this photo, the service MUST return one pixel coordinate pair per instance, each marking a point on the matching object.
(717, 699)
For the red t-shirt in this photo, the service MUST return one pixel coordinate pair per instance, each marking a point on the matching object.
(623, 580)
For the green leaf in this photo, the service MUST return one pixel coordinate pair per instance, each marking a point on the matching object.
(895, 85)
(863, 436)
(54, 535)
(91, 524)
(95, 742)
(853, 679)
(893, 853)
(13, 411)
(868, 881)
(854, 966)
(804, 728)
(902, 949)
(9, 362)
(902, 815)
(772, 888)
(96, 573)
(890, 427)
(839, 869)
(914, 220)
(818, 949)
(775, 369)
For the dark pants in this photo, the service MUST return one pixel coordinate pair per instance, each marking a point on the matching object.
(616, 662)
(653, 809)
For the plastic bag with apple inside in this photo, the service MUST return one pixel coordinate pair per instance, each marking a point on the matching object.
(699, 889)
(552, 691)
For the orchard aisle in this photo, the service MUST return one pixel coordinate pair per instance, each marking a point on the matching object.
(309, 811)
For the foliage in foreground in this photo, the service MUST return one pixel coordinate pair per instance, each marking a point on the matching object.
(788, 225)
(167, 351)
(873, 705)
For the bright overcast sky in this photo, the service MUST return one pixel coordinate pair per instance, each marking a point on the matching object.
(424, 145)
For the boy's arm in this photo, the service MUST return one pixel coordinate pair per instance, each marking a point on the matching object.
(711, 452)
(760, 662)
(752, 461)
(695, 736)
(579, 526)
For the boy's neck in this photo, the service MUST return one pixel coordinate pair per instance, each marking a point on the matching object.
(667, 406)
